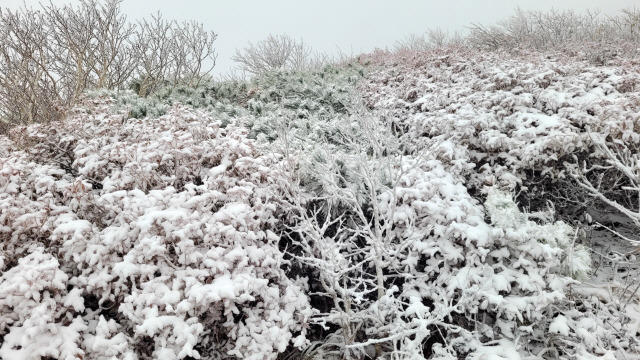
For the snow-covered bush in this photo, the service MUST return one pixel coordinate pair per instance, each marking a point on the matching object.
(309, 98)
(422, 208)
(523, 123)
(516, 118)
(40, 318)
(401, 258)
(164, 226)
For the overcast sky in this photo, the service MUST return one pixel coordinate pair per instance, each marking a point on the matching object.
(351, 26)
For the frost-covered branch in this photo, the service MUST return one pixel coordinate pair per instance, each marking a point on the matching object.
(627, 163)
(277, 53)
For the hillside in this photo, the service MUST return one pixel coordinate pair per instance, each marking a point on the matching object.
(440, 204)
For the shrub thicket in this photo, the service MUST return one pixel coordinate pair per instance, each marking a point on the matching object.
(49, 57)
(424, 205)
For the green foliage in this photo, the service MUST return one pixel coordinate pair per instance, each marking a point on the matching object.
(310, 105)
(303, 94)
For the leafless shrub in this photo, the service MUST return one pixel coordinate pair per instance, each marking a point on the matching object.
(278, 53)
(552, 29)
(622, 167)
(171, 52)
(432, 38)
(50, 56)
(29, 87)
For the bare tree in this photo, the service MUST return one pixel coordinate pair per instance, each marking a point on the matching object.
(111, 59)
(432, 38)
(277, 53)
(51, 56)
(196, 53)
(413, 42)
(29, 87)
(72, 37)
(544, 30)
(171, 52)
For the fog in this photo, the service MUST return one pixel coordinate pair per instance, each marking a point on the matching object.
(334, 26)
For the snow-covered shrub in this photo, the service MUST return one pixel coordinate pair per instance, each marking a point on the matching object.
(511, 120)
(218, 99)
(519, 123)
(39, 316)
(434, 272)
(323, 90)
(401, 258)
(281, 217)
(105, 340)
(164, 226)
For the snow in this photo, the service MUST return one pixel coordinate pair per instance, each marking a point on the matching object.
(246, 229)
(502, 350)
(216, 170)
(560, 326)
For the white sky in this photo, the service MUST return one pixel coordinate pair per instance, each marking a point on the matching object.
(352, 26)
